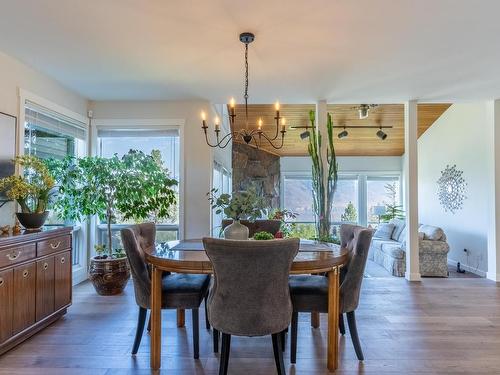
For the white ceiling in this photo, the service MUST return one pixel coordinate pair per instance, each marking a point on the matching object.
(343, 51)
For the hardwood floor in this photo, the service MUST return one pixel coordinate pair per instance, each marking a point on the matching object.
(438, 326)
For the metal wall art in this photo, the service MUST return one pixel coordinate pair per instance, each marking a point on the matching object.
(452, 189)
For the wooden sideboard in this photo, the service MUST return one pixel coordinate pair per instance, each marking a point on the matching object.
(35, 282)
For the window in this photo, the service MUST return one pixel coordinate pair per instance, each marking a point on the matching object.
(381, 191)
(49, 134)
(222, 181)
(119, 141)
(358, 199)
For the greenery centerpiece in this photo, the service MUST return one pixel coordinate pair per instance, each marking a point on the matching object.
(242, 205)
(136, 186)
(324, 177)
(31, 190)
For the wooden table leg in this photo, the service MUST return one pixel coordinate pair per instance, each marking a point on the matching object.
(315, 319)
(156, 319)
(315, 315)
(181, 318)
(333, 319)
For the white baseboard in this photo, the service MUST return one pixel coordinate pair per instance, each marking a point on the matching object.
(493, 276)
(413, 276)
(475, 271)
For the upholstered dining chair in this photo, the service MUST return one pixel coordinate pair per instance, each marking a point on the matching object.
(250, 294)
(179, 291)
(310, 292)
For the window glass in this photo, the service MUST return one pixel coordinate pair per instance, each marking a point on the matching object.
(381, 191)
(345, 201)
(222, 181)
(119, 142)
(298, 198)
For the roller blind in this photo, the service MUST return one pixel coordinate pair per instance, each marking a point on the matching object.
(135, 133)
(38, 116)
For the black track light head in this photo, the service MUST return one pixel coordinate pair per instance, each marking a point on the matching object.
(343, 134)
(305, 134)
(381, 134)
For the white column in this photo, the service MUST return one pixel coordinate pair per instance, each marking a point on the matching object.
(493, 108)
(411, 191)
(321, 115)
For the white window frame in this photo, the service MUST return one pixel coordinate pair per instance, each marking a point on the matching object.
(142, 124)
(80, 230)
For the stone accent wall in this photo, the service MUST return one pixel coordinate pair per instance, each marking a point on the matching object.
(259, 168)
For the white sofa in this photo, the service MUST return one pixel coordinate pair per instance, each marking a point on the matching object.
(390, 253)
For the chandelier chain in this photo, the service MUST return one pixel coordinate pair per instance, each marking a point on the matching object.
(246, 81)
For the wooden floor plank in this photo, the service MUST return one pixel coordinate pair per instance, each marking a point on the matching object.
(438, 326)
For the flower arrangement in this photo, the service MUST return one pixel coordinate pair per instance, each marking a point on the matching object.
(263, 236)
(285, 216)
(31, 190)
(241, 205)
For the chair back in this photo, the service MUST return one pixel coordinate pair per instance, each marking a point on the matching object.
(271, 226)
(250, 294)
(136, 239)
(357, 239)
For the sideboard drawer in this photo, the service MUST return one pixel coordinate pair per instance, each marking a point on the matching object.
(53, 245)
(17, 254)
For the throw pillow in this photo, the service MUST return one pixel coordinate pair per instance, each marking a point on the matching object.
(384, 231)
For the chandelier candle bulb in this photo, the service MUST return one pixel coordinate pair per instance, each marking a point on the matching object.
(217, 124)
(260, 124)
(283, 124)
(203, 120)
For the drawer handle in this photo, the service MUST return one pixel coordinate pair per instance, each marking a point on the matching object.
(63, 260)
(45, 265)
(26, 273)
(13, 256)
(56, 245)
(1, 281)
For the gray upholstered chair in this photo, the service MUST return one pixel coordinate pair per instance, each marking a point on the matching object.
(250, 295)
(179, 291)
(310, 293)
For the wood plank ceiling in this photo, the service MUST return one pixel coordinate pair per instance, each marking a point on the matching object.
(359, 142)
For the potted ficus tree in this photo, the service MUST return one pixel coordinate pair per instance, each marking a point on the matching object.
(31, 190)
(136, 187)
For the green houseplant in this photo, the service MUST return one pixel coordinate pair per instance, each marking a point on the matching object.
(324, 176)
(31, 190)
(136, 186)
(238, 206)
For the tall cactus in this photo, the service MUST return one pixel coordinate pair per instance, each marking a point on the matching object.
(324, 187)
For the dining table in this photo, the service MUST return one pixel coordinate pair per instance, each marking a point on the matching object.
(188, 256)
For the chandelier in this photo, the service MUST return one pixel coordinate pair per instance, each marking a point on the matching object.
(253, 137)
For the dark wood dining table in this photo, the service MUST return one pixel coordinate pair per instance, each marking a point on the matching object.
(188, 256)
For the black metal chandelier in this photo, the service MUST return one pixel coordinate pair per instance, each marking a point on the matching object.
(253, 137)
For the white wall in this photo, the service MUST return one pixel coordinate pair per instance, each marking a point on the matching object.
(347, 164)
(458, 137)
(15, 75)
(198, 157)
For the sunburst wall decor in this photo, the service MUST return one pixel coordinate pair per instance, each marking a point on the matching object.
(452, 189)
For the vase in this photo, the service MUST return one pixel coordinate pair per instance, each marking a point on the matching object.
(32, 220)
(109, 276)
(236, 231)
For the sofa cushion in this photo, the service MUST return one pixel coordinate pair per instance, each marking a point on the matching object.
(399, 225)
(393, 250)
(384, 231)
(377, 243)
(432, 233)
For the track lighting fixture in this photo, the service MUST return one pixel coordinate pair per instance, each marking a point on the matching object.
(364, 109)
(305, 134)
(343, 134)
(381, 134)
